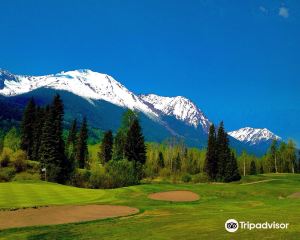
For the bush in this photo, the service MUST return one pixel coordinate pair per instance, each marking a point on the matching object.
(19, 161)
(26, 176)
(200, 178)
(34, 166)
(5, 157)
(4, 161)
(98, 178)
(6, 174)
(186, 178)
(80, 178)
(122, 173)
(165, 172)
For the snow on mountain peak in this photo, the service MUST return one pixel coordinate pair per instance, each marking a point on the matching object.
(253, 135)
(83, 82)
(180, 107)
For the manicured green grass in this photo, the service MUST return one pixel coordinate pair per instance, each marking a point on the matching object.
(203, 219)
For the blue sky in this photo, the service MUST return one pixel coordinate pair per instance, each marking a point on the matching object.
(239, 61)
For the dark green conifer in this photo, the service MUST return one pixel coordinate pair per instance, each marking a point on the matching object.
(135, 149)
(38, 131)
(27, 128)
(223, 152)
(52, 150)
(231, 172)
(253, 168)
(82, 148)
(105, 154)
(177, 163)
(160, 160)
(71, 141)
(211, 160)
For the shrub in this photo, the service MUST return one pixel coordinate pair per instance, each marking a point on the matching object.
(186, 178)
(98, 178)
(5, 157)
(33, 166)
(165, 172)
(26, 176)
(19, 161)
(80, 178)
(4, 161)
(6, 174)
(122, 173)
(200, 178)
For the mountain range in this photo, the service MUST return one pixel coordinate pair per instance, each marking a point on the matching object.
(103, 100)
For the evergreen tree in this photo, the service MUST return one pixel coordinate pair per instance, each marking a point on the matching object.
(38, 131)
(211, 166)
(119, 145)
(72, 141)
(120, 139)
(261, 171)
(231, 172)
(177, 163)
(47, 149)
(253, 168)
(106, 147)
(273, 156)
(27, 128)
(223, 153)
(160, 160)
(135, 149)
(82, 148)
(52, 145)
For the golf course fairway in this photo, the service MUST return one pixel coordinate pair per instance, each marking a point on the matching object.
(257, 199)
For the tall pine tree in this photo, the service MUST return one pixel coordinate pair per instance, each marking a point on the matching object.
(52, 145)
(231, 172)
(82, 145)
(105, 153)
(253, 168)
(211, 161)
(223, 152)
(120, 139)
(160, 160)
(72, 141)
(135, 149)
(27, 128)
(38, 131)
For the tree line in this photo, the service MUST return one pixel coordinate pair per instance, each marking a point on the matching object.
(124, 158)
(41, 137)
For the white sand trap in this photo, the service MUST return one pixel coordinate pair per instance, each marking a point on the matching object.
(175, 196)
(61, 214)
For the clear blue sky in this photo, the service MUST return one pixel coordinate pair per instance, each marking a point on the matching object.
(239, 61)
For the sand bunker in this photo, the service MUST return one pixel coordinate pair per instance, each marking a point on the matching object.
(61, 214)
(175, 196)
(294, 195)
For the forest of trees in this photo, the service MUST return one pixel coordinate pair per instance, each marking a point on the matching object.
(43, 142)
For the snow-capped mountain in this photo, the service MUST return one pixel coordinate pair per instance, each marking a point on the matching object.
(84, 83)
(253, 136)
(179, 107)
(97, 86)
(103, 100)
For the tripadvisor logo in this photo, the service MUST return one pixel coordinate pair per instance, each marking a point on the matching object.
(233, 225)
